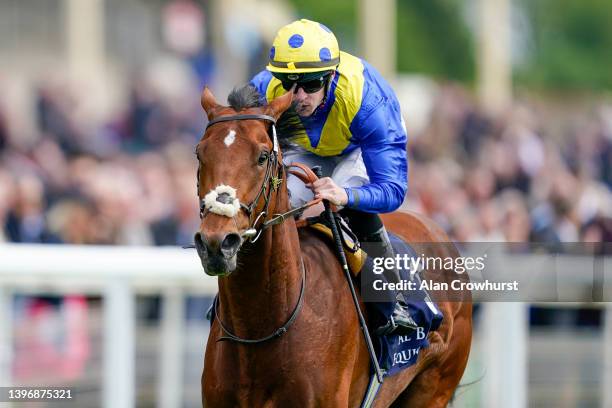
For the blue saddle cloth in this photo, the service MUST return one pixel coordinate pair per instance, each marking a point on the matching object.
(395, 352)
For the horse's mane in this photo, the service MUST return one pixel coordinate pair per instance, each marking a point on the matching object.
(288, 126)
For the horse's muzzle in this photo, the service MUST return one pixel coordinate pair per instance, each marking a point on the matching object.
(218, 254)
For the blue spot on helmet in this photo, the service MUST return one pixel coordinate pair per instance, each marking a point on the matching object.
(325, 54)
(272, 53)
(323, 26)
(296, 41)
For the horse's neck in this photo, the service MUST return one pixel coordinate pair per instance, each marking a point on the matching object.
(263, 291)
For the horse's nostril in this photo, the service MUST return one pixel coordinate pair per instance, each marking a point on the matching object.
(200, 244)
(230, 244)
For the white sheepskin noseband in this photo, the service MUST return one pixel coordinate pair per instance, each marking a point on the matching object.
(222, 200)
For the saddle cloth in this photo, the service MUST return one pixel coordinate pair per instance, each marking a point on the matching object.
(394, 352)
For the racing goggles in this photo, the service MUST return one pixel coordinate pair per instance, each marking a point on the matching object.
(310, 86)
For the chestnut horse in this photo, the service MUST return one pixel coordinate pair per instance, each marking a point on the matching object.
(283, 290)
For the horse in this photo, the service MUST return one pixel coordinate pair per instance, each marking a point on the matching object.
(286, 331)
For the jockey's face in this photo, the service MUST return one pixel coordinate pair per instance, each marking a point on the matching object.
(306, 103)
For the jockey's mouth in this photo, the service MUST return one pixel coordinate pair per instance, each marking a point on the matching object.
(302, 108)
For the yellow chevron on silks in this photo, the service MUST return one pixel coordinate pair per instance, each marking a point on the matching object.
(335, 135)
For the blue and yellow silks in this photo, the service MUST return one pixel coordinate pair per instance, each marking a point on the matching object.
(361, 110)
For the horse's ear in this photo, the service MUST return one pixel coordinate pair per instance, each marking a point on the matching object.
(279, 105)
(209, 103)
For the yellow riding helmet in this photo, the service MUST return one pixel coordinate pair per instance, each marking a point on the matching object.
(303, 46)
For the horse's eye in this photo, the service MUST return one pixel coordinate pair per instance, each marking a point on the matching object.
(262, 158)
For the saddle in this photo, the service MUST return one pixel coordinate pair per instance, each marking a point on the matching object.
(355, 256)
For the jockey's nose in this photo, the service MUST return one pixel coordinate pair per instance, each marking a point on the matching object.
(299, 95)
(217, 244)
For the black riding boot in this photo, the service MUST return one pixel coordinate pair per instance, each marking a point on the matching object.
(370, 230)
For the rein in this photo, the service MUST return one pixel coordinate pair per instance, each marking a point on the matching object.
(278, 332)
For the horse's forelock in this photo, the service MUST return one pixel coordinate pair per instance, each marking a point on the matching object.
(245, 97)
(288, 126)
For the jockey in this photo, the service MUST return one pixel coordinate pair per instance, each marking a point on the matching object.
(354, 131)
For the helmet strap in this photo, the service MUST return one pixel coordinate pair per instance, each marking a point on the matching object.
(326, 88)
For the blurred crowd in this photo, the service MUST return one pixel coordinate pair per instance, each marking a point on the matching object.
(510, 177)
(127, 180)
(131, 180)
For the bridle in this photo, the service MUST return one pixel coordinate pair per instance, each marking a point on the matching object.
(272, 180)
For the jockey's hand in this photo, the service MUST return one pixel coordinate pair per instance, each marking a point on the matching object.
(326, 189)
